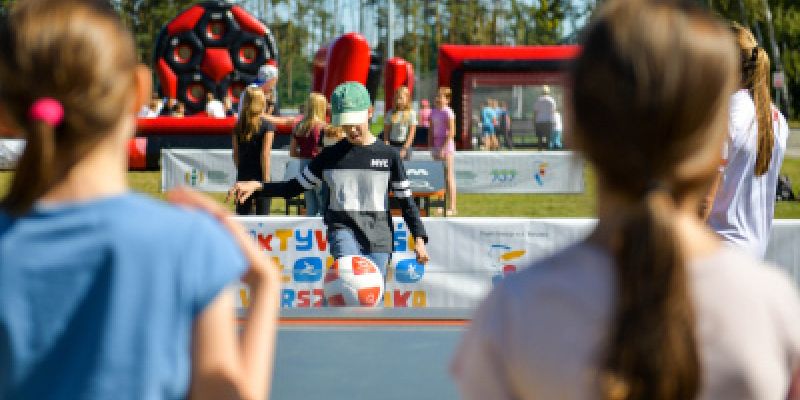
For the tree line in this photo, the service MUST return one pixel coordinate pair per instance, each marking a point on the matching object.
(421, 26)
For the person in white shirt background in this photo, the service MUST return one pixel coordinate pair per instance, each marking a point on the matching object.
(214, 107)
(744, 196)
(266, 79)
(651, 305)
(543, 110)
(555, 142)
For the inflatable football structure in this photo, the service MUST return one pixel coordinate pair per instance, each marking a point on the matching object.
(215, 47)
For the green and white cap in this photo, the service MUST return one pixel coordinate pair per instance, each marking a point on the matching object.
(349, 104)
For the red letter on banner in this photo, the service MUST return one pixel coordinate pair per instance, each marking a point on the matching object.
(322, 240)
(320, 297)
(264, 241)
(303, 298)
(401, 299)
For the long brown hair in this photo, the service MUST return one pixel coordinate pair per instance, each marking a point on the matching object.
(78, 53)
(650, 92)
(755, 78)
(254, 105)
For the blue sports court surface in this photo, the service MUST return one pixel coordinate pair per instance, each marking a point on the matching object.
(351, 353)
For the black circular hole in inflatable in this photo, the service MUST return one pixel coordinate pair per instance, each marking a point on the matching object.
(248, 54)
(183, 53)
(215, 30)
(195, 93)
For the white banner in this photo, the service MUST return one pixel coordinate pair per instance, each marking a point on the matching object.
(10, 151)
(476, 171)
(467, 256)
(209, 170)
(516, 171)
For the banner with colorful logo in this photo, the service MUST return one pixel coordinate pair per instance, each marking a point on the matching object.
(476, 171)
(468, 256)
(519, 172)
(209, 170)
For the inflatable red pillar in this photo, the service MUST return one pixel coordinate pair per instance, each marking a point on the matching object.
(399, 72)
(318, 70)
(348, 60)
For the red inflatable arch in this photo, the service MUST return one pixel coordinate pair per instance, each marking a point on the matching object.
(501, 66)
(399, 72)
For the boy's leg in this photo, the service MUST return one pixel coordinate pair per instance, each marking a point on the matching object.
(322, 193)
(312, 205)
(342, 243)
(381, 260)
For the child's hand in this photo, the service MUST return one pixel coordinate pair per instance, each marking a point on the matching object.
(241, 191)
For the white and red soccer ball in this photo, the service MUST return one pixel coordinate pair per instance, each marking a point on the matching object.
(353, 281)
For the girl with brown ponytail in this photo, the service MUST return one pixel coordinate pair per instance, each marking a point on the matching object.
(104, 293)
(744, 201)
(650, 306)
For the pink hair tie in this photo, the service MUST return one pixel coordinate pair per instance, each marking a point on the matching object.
(48, 110)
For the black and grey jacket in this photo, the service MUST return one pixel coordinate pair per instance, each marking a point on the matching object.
(359, 178)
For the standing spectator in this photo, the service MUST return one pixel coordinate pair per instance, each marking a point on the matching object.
(424, 118)
(104, 293)
(266, 80)
(305, 145)
(214, 107)
(252, 145)
(443, 146)
(488, 121)
(504, 124)
(650, 305)
(152, 109)
(744, 203)
(360, 172)
(543, 110)
(178, 110)
(555, 135)
(400, 124)
(228, 103)
(168, 107)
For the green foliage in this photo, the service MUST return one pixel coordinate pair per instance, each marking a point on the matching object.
(145, 18)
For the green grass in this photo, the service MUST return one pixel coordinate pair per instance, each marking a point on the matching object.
(484, 205)
(794, 124)
(790, 209)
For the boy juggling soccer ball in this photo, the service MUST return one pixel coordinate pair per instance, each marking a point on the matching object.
(360, 172)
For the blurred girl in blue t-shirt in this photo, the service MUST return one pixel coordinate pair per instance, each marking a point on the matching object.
(107, 294)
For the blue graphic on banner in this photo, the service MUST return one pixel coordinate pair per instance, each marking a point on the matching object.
(307, 269)
(409, 271)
